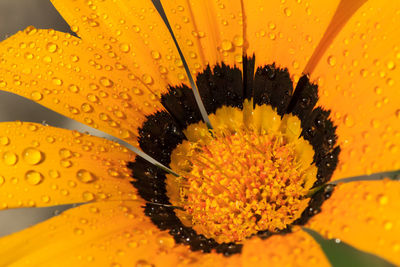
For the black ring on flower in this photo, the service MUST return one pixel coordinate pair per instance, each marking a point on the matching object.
(225, 86)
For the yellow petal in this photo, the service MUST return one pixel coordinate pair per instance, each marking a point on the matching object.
(365, 215)
(133, 32)
(208, 32)
(101, 234)
(359, 79)
(76, 79)
(286, 32)
(294, 249)
(46, 166)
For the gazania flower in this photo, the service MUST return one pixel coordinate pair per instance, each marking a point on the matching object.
(244, 133)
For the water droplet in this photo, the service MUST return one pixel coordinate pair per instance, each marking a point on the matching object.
(113, 172)
(106, 82)
(46, 199)
(36, 96)
(147, 79)
(125, 134)
(238, 40)
(124, 47)
(388, 225)
(226, 45)
(10, 158)
(33, 177)
(85, 176)
(4, 140)
(332, 61)
(47, 59)
(32, 156)
(375, 123)
(65, 153)
(348, 121)
(92, 98)
(165, 240)
(57, 81)
(391, 65)
(2, 180)
(29, 55)
(52, 47)
(65, 163)
(54, 174)
(86, 108)
(74, 58)
(78, 231)
(88, 196)
(73, 88)
(383, 200)
(288, 12)
(155, 54)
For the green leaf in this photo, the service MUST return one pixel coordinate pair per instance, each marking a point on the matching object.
(341, 254)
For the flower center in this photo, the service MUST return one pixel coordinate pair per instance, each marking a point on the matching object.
(247, 175)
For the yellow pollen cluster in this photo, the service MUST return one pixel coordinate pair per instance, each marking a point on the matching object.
(241, 179)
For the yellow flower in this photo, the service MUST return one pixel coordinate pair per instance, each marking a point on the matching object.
(252, 180)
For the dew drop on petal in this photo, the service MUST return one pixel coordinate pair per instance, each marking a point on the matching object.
(32, 156)
(124, 47)
(113, 172)
(348, 121)
(92, 98)
(106, 82)
(287, 11)
(36, 96)
(74, 58)
(65, 163)
(33, 177)
(86, 108)
(332, 61)
(4, 140)
(10, 158)
(238, 40)
(65, 153)
(383, 200)
(51, 47)
(147, 79)
(2, 180)
(388, 225)
(226, 45)
(73, 88)
(78, 231)
(54, 174)
(88, 196)
(155, 54)
(85, 176)
(46, 199)
(391, 65)
(57, 81)
(165, 240)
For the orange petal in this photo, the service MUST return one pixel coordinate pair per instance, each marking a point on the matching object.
(359, 79)
(46, 166)
(294, 249)
(133, 32)
(286, 32)
(101, 234)
(208, 32)
(77, 80)
(365, 215)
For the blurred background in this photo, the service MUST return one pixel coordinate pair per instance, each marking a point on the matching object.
(16, 16)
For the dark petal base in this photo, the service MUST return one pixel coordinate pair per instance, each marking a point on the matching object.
(223, 86)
